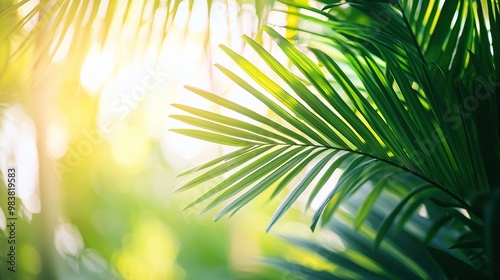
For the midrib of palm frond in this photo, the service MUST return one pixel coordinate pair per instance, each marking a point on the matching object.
(262, 144)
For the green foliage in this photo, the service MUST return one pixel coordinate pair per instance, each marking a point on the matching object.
(384, 88)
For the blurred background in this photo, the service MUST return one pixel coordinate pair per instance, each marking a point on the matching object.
(85, 89)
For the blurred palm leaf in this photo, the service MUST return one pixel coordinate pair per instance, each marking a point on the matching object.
(395, 88)
(70, 27)
(350, 255)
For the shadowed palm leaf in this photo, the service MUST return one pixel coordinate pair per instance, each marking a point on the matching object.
(349, 254)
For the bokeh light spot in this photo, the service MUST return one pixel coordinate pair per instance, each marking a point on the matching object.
(130, 147)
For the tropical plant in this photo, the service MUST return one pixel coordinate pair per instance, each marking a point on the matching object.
(400, 95)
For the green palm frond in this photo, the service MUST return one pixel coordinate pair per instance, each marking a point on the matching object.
(379, 98)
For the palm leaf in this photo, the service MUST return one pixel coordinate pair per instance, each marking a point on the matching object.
(399, 121)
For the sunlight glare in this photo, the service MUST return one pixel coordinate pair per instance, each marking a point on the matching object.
(332, 240)
(464, 212)
(57, 140)
(328, 187)
(68, 240)
(60, 51)
(182, 16)
(96, 69)
(192, 56)
(242, 97)
(103, 8)
(18, 149)
(198, 21)
(24, 11)
(178, 149)
(422, 212)
(148, 10)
